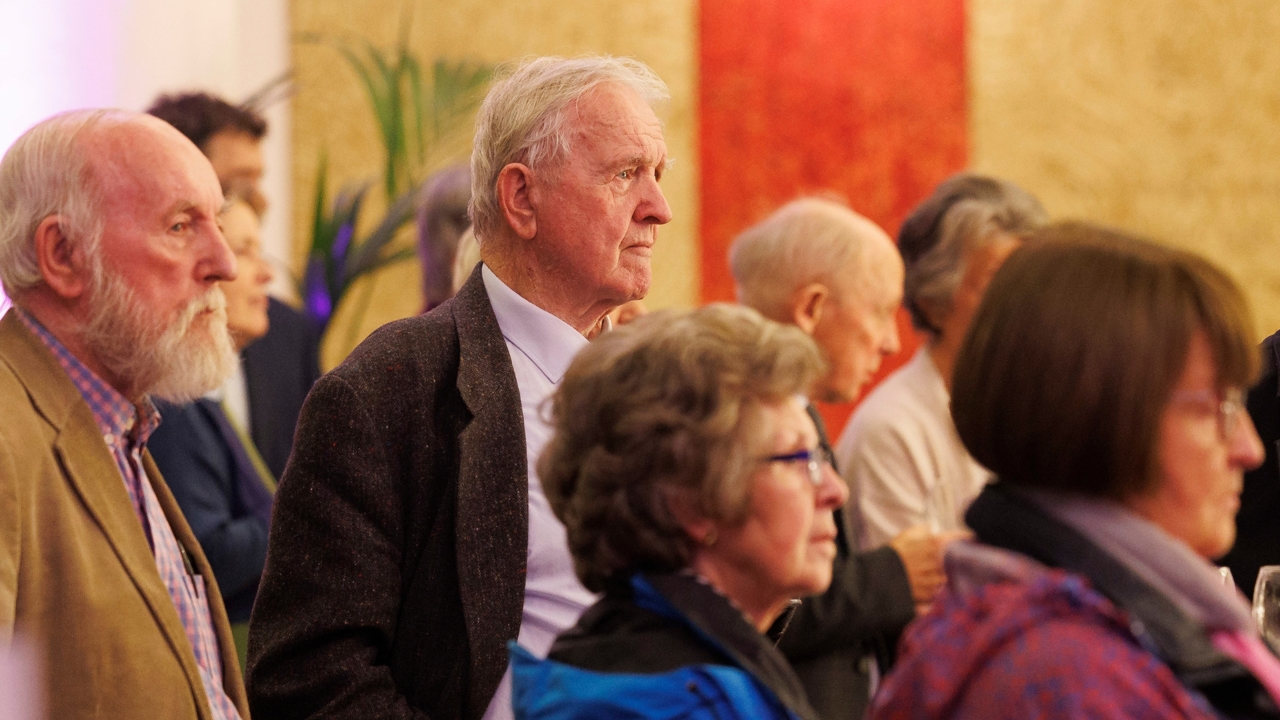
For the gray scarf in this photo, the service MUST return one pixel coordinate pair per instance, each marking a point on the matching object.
(1162, 561)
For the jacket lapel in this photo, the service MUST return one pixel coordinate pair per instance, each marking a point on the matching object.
(493, 494)
(232, 680)
(91, 471)
(722, 625)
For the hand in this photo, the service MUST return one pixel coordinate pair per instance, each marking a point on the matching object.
(921, 552)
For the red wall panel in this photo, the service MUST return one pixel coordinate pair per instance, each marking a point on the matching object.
(861, 98)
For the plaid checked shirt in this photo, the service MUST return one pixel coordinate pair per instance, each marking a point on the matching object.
(125, 428)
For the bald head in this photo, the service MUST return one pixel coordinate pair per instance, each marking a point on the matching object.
(817, 264)
(805, 241)
(109, 234)
(130, 157)
(69, 166)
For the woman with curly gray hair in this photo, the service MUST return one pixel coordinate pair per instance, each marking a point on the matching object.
(696, 499)
(900, 453)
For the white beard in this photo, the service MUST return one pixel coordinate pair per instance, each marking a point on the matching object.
(179, 360)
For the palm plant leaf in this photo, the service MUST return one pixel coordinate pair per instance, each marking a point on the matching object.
(366, 255)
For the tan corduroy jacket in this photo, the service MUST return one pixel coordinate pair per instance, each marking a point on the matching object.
(77, 577)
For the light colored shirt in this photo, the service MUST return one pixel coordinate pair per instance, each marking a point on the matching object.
(235, 399)
(903, 461)
(541, 347)
(125, 429)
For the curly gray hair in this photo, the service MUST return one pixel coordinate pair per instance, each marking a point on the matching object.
(659, 407)
(965, 212)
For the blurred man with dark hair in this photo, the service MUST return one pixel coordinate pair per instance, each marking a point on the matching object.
(277, 371)
(229, 135)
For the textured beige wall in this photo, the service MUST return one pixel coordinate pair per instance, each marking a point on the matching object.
(1160, 116)
(330, 108)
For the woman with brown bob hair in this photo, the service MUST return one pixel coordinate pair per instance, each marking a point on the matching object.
(1101, 382)
(691, 483)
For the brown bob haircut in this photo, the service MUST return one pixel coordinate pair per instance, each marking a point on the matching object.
(669, 404)
(1067, 368)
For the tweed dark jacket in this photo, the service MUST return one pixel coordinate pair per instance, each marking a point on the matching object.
(396, 563)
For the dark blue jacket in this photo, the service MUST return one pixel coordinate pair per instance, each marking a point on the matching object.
(279, 370)
(220, 493)
(673, 648)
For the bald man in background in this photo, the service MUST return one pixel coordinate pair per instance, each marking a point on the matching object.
(836, 275)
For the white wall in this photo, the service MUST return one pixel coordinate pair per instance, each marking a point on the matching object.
(60, 55)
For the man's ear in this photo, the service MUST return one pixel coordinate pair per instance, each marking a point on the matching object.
(807, 306)
(63, 265)
(514, 185)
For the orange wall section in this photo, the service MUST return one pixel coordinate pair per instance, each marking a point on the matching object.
(865, 99)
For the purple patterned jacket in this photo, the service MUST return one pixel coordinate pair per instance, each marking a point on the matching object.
(1010, 638)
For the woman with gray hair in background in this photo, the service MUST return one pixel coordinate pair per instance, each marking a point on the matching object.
(696, 498)
(900, 453)
(1101, 381)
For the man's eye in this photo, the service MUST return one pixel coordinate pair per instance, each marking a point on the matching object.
(178, 227)
(624, 174)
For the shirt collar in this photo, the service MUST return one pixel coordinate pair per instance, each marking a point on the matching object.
(115, 415)
(549, 342)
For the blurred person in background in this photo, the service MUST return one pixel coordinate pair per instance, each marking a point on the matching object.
(835, 275)
(1101, 382)
(900, 454)
(698, 500)
(221, 483)
(264, 396)
(110, 245)
(442, 221)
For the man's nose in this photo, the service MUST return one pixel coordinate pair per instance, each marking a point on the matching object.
(892, 343)
(218, 263)
(654, 208)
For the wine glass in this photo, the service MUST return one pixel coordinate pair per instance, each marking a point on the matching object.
(1266, 603)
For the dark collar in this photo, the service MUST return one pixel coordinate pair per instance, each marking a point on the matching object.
(719, 623)
(1001, 518)
(493, 490)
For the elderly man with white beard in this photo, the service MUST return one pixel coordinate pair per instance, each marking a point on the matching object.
(111, 251)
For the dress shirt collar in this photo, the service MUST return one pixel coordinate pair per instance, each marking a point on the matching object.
(549, 342)
(117, 418)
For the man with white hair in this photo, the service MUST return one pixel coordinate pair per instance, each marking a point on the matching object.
(111, 251)
(836, 275)
(411, 539)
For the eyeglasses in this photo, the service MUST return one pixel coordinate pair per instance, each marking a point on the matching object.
(813, 460)
(1229, 408)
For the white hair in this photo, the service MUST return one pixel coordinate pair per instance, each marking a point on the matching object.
(175, 358)
(807, 240)
(46, 172)
(523, 119)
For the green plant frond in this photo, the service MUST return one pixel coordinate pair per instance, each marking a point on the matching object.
(413, 71)
(455, 89)
(398, 256)
(321, 238)
(398, 215)
(348, 201)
